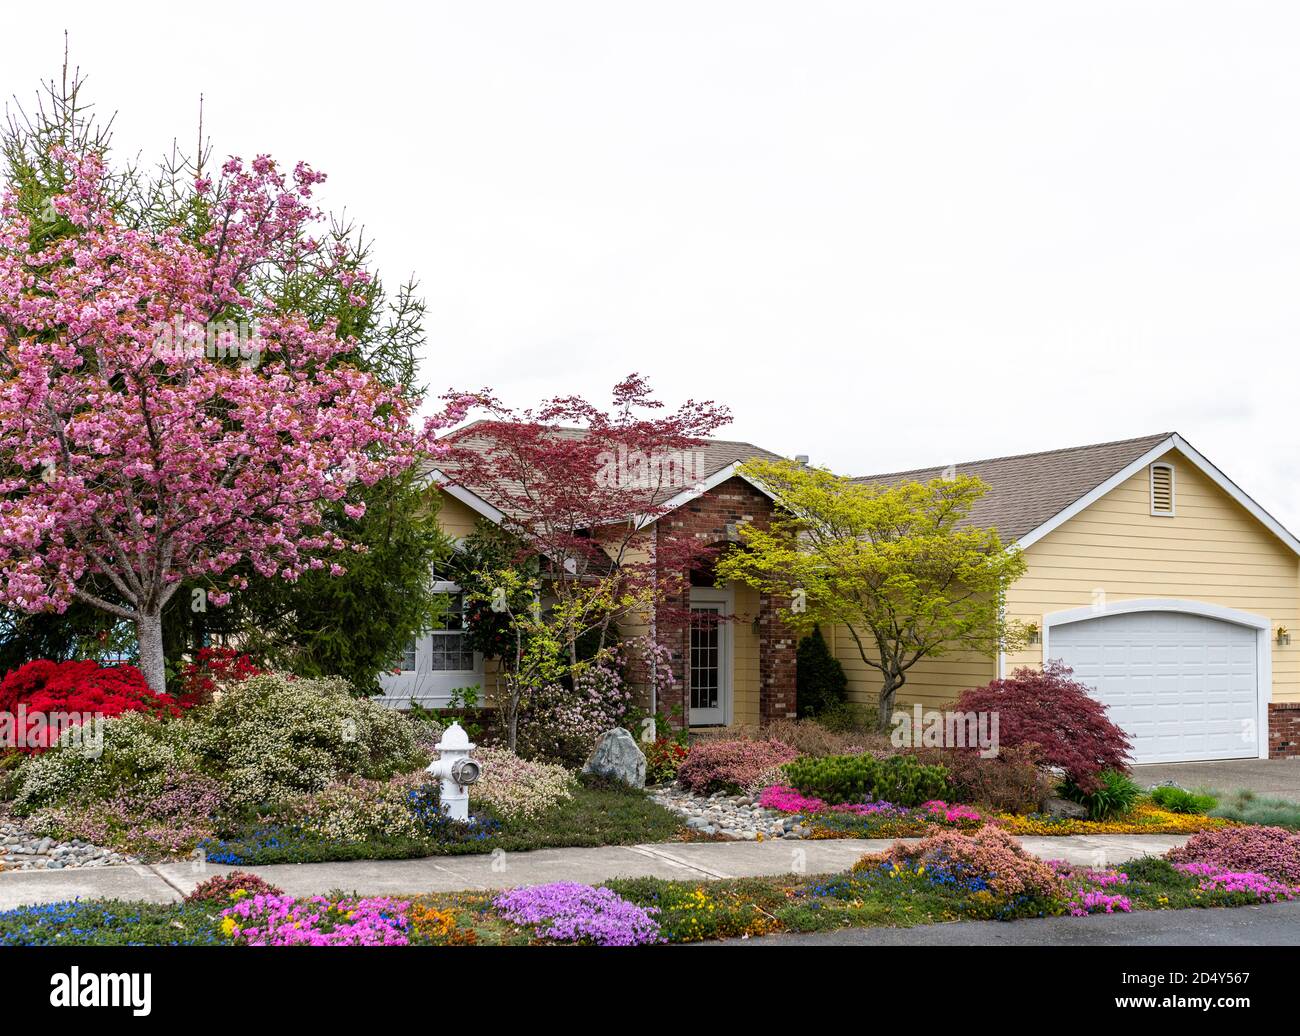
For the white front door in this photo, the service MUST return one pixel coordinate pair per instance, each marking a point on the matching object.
(708, 667)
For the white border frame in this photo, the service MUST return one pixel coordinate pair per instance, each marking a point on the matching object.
(726, 598)
(1261, 624)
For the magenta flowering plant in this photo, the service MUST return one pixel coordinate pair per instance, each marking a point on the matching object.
(1085, 889)
(270, 920)
(567, 911)
(1261, 886)
(952, 814)
(785, 799)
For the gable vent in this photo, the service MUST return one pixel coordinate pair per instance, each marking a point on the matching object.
(1162, 489)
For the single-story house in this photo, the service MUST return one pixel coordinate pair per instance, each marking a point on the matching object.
(1150, 572)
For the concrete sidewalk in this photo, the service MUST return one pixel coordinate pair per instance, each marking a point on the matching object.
(683, 861)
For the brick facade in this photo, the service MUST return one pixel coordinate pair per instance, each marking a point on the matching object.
(1284, 730)
(712, 519)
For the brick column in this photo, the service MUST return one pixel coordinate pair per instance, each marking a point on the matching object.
(1284, 730)
(776, 662)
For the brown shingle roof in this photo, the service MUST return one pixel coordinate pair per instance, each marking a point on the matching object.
(1028, 489)
(714, 455)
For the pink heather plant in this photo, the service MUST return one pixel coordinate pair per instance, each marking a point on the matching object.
(133, 461)
(269, 920)
(1261, 886)
(731, 765)
(1274, 851)
(570, 912)
(991, 853)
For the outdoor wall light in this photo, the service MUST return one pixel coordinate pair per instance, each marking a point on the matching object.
(1283, 636)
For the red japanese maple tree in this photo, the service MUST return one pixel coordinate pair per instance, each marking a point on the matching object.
(581, 488)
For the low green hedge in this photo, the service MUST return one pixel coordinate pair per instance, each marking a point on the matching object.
(900, 779)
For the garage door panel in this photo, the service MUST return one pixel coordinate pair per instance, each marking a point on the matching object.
(1182, 686)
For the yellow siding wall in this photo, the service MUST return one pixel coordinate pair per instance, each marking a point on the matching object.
(932, 681)
(1212, 550)
(455, 518)
(744, 680)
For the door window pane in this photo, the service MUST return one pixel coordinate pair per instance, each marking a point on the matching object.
(705, 671)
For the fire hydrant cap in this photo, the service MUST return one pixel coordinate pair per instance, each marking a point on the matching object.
(454, 739)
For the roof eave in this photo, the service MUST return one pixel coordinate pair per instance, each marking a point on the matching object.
(1176, 442)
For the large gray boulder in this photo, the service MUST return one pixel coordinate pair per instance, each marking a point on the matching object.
(617, 755)
(1064, 808)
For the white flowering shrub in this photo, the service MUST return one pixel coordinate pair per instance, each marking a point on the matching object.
(358, 810)
(271, 737)
(516, 788)
(138, 752)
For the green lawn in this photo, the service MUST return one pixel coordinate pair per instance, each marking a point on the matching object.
(595, 815)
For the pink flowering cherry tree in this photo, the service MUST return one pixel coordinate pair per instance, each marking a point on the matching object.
(135, 455)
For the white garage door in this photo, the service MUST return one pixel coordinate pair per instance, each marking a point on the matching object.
(1183, 687)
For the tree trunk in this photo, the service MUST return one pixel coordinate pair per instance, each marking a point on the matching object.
(887, 694)
(149, 635)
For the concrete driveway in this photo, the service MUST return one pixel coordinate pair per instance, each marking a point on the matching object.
(1271, 778)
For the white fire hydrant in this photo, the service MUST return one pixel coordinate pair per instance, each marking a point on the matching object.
(456, 770)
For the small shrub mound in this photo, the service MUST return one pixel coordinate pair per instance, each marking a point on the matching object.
(1273, 851)
(1011, 782)
(990, 859)
(1178, 800)
(663, 758)
(902, 779)
(516, 788)
(225, 889)
(733, 766)
(1113, 794)
(273, 736)
(1059, 716)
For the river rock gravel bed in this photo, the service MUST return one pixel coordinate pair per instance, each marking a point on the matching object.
(23, 850)
(737, 817)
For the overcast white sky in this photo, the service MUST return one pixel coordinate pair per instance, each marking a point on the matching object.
(886, 234)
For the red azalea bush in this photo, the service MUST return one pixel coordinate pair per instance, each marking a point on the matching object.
(663, 758)
(43, 688)
(1058, 715)
(1274, 851)
(731, 765)
(214, 669)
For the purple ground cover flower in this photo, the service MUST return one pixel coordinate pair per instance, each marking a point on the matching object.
(571, 912)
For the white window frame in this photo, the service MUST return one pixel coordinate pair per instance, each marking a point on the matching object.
(428, 686)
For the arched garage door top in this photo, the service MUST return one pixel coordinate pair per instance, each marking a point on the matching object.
(1160, 604)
